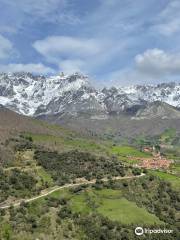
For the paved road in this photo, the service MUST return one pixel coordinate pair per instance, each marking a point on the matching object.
(49, 191)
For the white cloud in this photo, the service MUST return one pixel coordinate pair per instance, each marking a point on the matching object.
(6, 47)
(169, 28)
(38, 68)
(70, 53)
(168, 21)
(158, 62)
(152, 66)
(55, 46)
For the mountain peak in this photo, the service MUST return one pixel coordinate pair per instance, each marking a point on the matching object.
(28, 94)
(36, 95)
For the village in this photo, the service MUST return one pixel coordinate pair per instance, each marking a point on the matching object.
(156, 161)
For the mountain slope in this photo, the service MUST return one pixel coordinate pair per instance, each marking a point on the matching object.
(36, 95)
(73, 95)
(165, 92)
(11, 123)
(158, 110)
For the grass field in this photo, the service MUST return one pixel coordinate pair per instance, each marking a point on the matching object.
(111, 204)
(79, 204)
(126, 152)
(126, 212)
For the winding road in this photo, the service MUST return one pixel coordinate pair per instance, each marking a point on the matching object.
(47, 192)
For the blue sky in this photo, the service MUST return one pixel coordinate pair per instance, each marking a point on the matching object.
(115, 42)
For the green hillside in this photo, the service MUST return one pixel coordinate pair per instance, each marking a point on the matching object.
(59, 184)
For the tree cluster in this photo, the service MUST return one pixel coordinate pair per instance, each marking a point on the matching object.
(67, 166)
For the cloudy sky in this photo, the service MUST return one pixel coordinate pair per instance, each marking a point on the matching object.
(115, 42)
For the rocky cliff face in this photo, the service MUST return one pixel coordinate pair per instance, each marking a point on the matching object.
(73, 94)
(36, 95)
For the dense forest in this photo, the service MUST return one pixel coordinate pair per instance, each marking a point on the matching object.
(67, 166)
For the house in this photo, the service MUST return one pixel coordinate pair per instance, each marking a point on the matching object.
(147, 149)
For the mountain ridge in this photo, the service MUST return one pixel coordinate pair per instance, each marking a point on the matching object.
(73, 94)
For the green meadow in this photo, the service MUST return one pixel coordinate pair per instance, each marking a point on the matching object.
(111, 203)
(126, 212)
(129, 151)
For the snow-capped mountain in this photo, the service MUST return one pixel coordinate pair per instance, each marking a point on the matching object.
(118, 99)
(36, 95)
(72, 94)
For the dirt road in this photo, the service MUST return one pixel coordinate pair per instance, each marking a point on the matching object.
(47, 192)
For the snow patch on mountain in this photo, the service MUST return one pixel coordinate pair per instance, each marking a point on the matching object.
(25, 93)
(38, 95)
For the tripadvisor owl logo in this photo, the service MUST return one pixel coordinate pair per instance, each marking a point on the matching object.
(139, 231)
